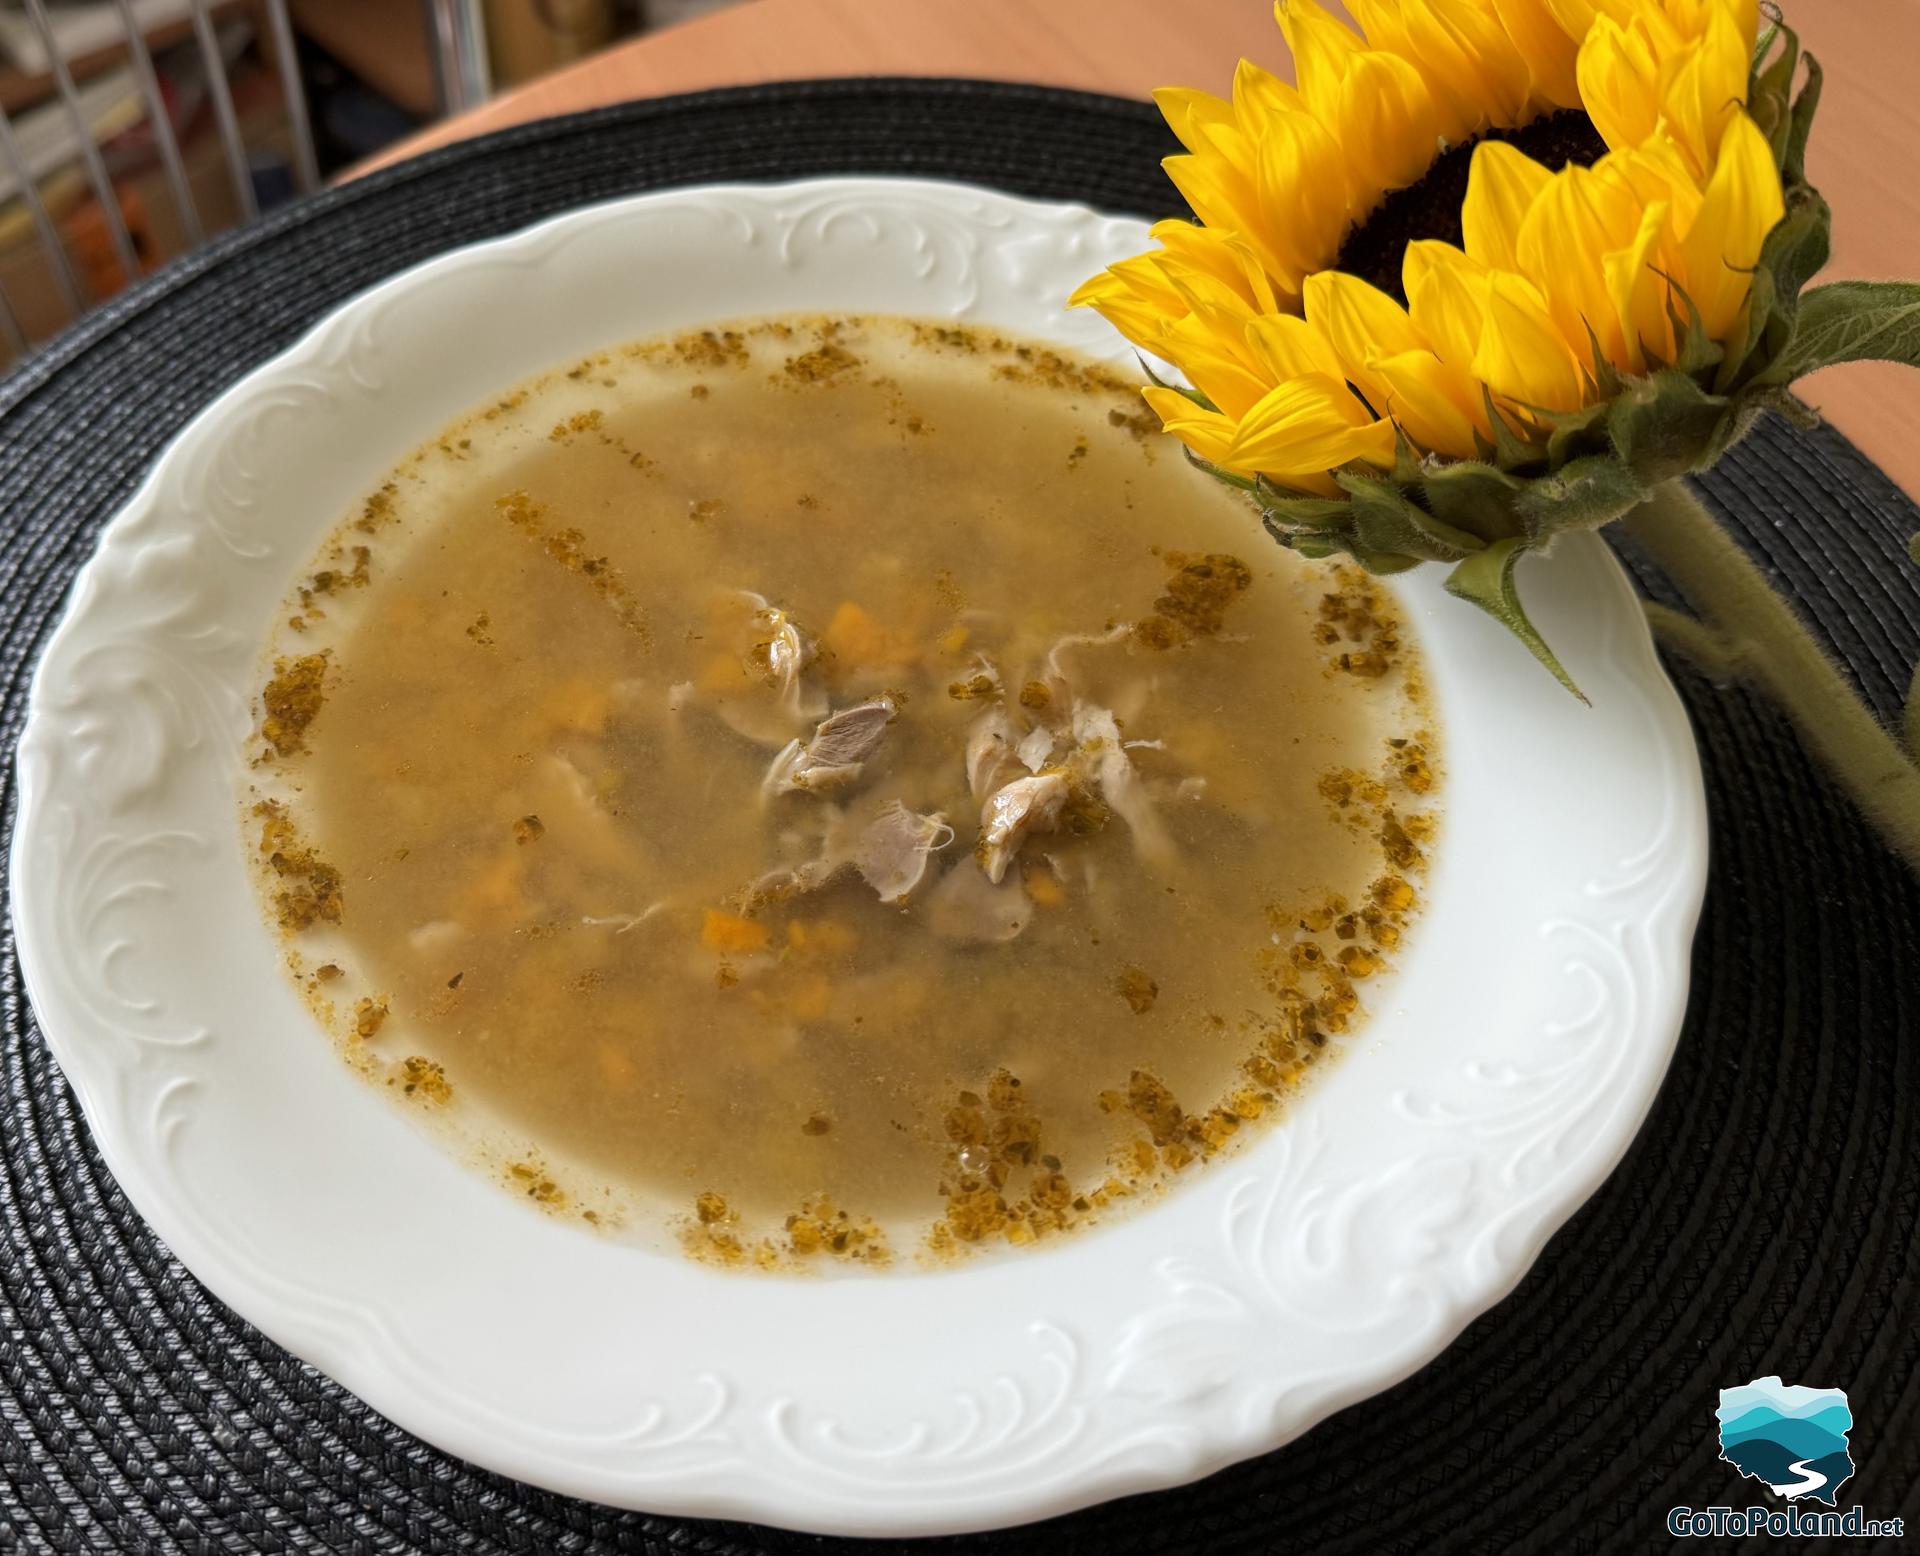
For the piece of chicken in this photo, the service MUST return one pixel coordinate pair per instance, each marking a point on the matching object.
(836, 755)
(964, 905)
(1015, 811)
(895, 850)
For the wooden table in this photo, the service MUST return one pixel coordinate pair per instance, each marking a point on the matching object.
(1865, 145)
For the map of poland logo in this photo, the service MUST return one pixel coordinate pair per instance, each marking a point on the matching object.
(1790, 1438)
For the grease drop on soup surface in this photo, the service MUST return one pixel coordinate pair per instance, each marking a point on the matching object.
(835, 790)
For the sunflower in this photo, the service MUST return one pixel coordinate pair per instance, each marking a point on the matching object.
(1491, 269)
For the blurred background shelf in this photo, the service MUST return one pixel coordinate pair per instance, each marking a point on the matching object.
(143, 126)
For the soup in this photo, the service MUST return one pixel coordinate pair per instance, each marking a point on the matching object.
(839, 789)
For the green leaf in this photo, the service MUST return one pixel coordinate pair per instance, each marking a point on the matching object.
(1385, 522)
(1585, 494)
(1474, 497)
(1913, 549)
(1793, 164)
(1664, 424)
(1485, 579)
(1851, 321)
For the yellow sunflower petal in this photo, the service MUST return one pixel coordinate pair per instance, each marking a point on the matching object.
(1218, 194)
(1522, 356)
(1301, 186)
(1308, 424)
(1619, 75)
(1502, 183)
(1212, 352)
(1321, 45)
(1226, 256)
(1447, 299)
(1385, 26)
(1576, 17)
(1547, 47)
(1190, 113)
(1484, 59)
(1362, 324)
(1742, 204)
(1472, 67)
(1259, 93)
(1707, 90)
(1141, 320)
(1573, 222)
(1289, 347)
(1207, 433)
(1389, 126)
(1640, 293)
(1433, 402)
(1656, 171)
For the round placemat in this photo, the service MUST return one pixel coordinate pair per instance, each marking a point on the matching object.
(1764, 1222)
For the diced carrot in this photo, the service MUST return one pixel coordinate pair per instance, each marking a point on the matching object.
(723, 931)
(855, 638)
(1045, 889)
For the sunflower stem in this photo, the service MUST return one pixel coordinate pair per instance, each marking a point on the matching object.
(1746, 629)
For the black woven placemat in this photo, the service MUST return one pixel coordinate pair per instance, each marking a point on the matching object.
(1765, 1222)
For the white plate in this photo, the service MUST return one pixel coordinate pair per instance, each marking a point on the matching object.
(1521, 1044)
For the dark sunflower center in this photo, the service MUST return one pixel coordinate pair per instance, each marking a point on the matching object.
(1431, 208)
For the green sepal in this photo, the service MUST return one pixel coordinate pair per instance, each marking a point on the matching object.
(1576, 434)
(1473, 496)
(1604, 375)
(1158, 382)
(1583, 494)
(1770, 86)
(1507, 450)
(1384, 521)
(1272, 494)
(1318, 548)
(1661, 425)
(1793, 163)
(1485, 579)
(1698, 350)
(1793, 251)
(1851, 321)
(1306, 515)
(1406, 463)
(1240, 483)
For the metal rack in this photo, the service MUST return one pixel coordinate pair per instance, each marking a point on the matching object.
(458, 44)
